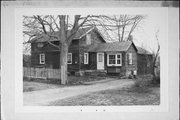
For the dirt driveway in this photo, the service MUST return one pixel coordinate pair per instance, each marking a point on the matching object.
(43, 97)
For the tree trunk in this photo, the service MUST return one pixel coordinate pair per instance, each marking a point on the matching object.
(118, 26)
(153, 70)
(153, 73)
(63, 63)
(122, 36)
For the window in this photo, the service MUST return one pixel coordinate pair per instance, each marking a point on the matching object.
(41, 58)
(100, 59)
(88, 39)
(69, 58)
(86, 58)
(114, 59)
(129, 58)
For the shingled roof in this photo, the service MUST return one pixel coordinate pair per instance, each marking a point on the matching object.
(44, 38)
(143, 51)
(112, 47)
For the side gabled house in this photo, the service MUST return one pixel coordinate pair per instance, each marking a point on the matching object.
(88, 51)
(45, 55)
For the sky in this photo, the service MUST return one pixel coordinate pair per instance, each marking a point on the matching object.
(144, 36)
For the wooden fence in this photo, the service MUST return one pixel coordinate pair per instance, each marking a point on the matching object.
(44, 73)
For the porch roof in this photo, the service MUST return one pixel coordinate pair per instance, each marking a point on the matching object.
(112, 47)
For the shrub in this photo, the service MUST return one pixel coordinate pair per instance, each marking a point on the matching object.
(130, 77)
(157, 79)
(141, 86)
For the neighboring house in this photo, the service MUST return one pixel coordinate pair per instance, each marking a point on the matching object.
(88, 52)
(144, 61)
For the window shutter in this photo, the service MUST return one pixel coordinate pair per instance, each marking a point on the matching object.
(128, 58)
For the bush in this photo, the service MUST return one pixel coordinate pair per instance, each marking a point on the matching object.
(141, 86)
(157, 79)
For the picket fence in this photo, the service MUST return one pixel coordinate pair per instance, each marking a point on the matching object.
(43, 73)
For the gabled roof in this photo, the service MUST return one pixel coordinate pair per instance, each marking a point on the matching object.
(80, 33)
(143, 51)
(112, 47)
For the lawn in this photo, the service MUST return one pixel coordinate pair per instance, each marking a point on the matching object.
(143, 92)
(41, 84)
(114, 97)
(33, 86)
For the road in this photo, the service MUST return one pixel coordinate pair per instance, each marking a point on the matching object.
(43, 97)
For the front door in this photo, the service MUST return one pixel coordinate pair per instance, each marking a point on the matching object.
(100, 61)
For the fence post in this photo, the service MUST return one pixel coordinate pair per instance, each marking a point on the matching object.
(62, 76)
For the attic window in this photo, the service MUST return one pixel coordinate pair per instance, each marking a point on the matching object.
(88, 39)
(40, 45)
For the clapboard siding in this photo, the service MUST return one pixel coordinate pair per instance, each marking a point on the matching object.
(131, 67)
(144, 64)
(83, 48)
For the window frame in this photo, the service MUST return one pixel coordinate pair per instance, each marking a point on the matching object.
(116, 58)
(70, 58)
(87, 60)
(40, 59)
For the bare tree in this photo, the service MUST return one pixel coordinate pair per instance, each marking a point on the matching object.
(35, 25)
(123, 25)
(155, 56)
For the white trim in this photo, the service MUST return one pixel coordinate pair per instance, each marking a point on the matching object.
(70, 58)
(41, 61)
(115, 59)
(87, 60)
(100, 65)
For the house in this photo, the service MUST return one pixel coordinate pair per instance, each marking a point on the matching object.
(144, 61)
(116, 57)
(88, 52)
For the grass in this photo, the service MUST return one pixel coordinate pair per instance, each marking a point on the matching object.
(41, 84)
(33, 86)
(114, 97)
(143, 92)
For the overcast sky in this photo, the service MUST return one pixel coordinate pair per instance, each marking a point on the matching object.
(145, 34)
